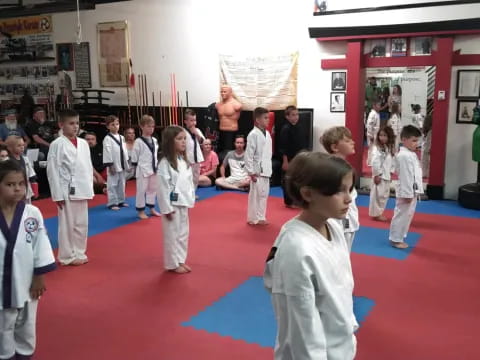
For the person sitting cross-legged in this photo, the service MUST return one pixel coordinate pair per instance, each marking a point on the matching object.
(238, 179)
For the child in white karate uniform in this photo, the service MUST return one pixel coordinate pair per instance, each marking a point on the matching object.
(338, 141)
(195, 138)
(258, 163)
(176, 194)
(373, 124)
(70, 176)
(382, 167)
(25, 256)
(395, 122)
(115, 157)
(16, 147)
(409, 186)
(417, 118)
(145, 158)
(308, 270)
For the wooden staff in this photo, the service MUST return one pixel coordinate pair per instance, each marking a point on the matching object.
(186, 94)
(140, 99)
(153, 106)
(160, 111)
(170, 112)
(128, 101)
(146, 94)
(179, 109)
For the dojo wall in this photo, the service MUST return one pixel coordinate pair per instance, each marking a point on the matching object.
(186, 37)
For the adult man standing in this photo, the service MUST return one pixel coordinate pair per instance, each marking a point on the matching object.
(228, 110)
(41, 133)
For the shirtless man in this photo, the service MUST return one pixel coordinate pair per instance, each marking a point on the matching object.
(228, 113)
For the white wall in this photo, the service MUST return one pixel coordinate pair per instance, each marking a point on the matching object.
(186, 37)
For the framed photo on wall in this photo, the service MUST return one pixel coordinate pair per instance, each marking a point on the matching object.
(339, 81)
(468, 83)
(337, 102)
(379, 48)
(399, 47)
(465, 111)
(65, 56)
(421, 46)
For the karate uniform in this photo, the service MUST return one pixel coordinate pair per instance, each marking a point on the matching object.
(395, 122)
(70, 175)
(258, 161)
(351, 223)
(194, 154)
(176, 230)
(115, 156)
(310, 279)
(373, 125)
(409, 186)
(145, 158)
(427, 145)
(24, 251)
(417, 121)
(382, 165)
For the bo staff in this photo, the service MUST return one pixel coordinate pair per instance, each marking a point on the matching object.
(160, 109)
(179, 109)
(186, 95)
(153, 105)
(146, 94)
(140, 98)
(128, 102)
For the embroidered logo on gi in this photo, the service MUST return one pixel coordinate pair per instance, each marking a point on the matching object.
(31, 225)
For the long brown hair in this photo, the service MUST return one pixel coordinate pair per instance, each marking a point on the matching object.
(168, 145)
(390, 136)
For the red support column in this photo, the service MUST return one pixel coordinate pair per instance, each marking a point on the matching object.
(355, 100)
(444, 59)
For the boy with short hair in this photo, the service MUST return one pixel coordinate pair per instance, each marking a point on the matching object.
(195, 138)
(258, 162)
(338, 141)
(115, 157)
(70, 175)
(409, 186)
(292, 141)
(145, 158)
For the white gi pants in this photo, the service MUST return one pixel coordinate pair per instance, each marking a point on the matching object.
(175, 238)
(72, 231)
(17, 330)
(116, 188)
(379, 195)
(371, 144)
(146, 188)
(196, 174)
(349, 236)
(402, 217)
(257, 200)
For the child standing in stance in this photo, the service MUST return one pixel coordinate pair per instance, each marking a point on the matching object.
(308, 271)
(258, 162)
(176, 194)
(25, 256)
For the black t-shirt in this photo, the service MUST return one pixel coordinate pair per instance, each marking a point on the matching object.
(96, 154)
(293, 139)
(46, 130)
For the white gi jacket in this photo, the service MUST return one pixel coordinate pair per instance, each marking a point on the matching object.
(24, 251)
(382, 163)
(373, 124)
(258, 155)
(409, 174)
(311, 282)
(353, 223)
(145, 157)
(191, 144)
(174, 181)
(395, 122)
(114, 151)
(70, 167)
(417, 121)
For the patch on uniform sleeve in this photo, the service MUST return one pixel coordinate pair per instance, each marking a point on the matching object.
(272, 253)
(31, 225)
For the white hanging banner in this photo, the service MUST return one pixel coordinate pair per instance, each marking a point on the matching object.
(268, 81)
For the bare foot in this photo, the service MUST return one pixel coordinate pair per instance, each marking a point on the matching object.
(154, 212)
(123, 205)
(142, 215)
(251, 223)
(179, 270)
(78, 262)
(380, 218)
(399, 245)
(186, 267)
(263, 222)
(116, 208)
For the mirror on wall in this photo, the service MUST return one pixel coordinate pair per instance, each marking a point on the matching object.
(404, 96)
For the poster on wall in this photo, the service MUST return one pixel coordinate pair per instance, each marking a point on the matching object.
(113, 53)
(468, 84)
(65, 57)
(26, 39)
(268, 81)
(83, 78)
(465, 111)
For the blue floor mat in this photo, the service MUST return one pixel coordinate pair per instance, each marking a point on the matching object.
(246, 313)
